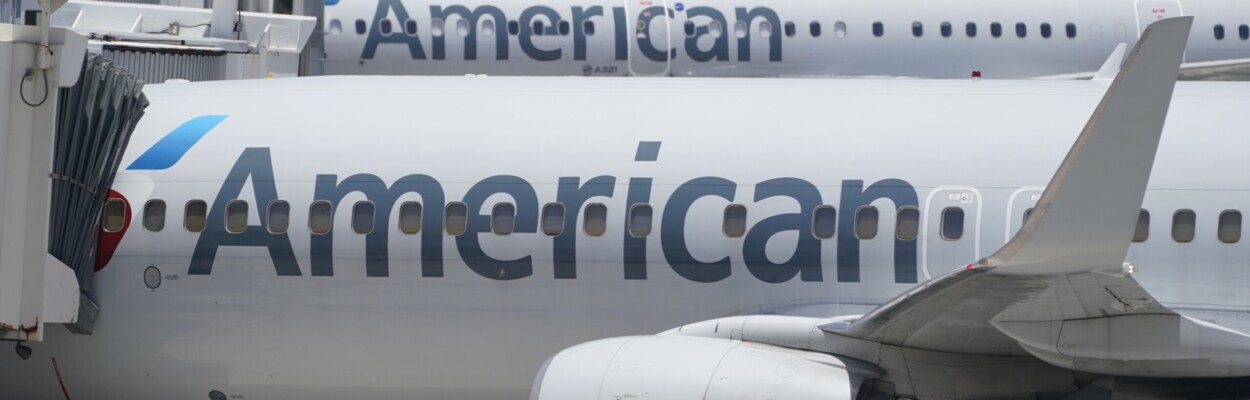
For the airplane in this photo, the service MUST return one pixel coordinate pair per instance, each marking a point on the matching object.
(727, 38)
(440, 237)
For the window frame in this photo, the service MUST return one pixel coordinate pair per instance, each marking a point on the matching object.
(269, 216)
(186, 212)
(629, 225)
(542, 218)
(373, 217)
(942, 223)
(512, 227)
(399, 217)
(312, 208)
(104, 215)
(815, 218)
(898, 222)
(1138, 223)
(876, 231)
(225, 222)
(1193, 231)
(447, 218)
(586, 219)
(164, 212)
(725, 220)
(1219, 226)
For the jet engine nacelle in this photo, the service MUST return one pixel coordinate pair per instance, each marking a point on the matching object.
(658, 367)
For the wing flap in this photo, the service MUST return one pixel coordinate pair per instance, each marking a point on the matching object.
(1060, 290)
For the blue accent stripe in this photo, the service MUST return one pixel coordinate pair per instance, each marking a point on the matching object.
(166, 152)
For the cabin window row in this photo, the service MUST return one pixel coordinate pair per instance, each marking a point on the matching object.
(1243, 31)
(487, 27)
(552, 219)
(595, 220)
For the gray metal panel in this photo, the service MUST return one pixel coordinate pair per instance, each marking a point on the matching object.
(160, 66)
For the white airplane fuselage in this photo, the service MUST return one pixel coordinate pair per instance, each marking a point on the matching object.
(902, 38)
(387, 314)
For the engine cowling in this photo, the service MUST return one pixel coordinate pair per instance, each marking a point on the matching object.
(660, 367)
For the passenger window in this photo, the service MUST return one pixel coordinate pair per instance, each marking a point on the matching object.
(1027, 214)
(814, 28)
(336, 27)
(114, 215)
(553, 219)
(488, 28)
(196, 213)
(971, 29)
(1243, 31)
(1071, 30)
(946, 29)
(514, 28)
(410, 27)
(363, 217)
(908, 224)
(996, 29)
(1142, 232)
(436, 27)
(462, 28)
(154, 215)
(715, 29)
(360, 27)
(385, 26)
(790, 29)
(536, 28)
(839, 29)
(640, 220)
(689, 28)
(735, 224)
(952, 223)
(563, 28)
(588, 28)
(503, 219)
(1230, 226)
(740, 29)
(279, 219)
(456, 218)
(236, 216)
(1183, 223)
(766, 29)
(824, 222)
(1046, 30)
(866, 222)
(1021, 30)
(878, 29)
(917, 29)
(1219, 32)
(320, 217)
(410, 217)
(595, 222)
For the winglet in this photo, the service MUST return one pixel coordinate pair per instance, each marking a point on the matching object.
(1086, 216)
(1112, 65)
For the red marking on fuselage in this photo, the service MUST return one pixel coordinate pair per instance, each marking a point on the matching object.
(110, 240)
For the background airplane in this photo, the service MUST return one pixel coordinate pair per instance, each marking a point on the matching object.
(400, 245)
(898, 38)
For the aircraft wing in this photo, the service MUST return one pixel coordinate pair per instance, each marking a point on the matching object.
(1225, 70)
(1060, 289)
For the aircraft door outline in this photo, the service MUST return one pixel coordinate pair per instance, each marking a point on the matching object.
(638, 63)
(1018, 203)
(934, 249)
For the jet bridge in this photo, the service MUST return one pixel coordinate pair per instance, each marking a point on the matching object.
(65, 124)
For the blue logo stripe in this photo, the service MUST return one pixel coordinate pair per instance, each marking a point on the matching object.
(166, 152)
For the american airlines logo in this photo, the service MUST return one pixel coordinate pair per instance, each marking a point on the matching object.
(575, 27)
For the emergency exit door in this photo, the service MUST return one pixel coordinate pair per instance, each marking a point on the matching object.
(951, 235)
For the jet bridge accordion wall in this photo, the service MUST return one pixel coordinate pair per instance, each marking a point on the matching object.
(95, 118)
